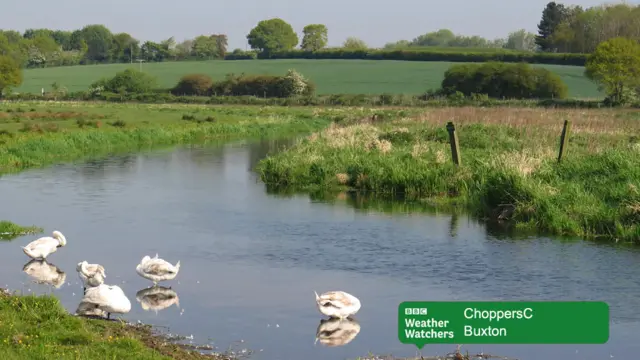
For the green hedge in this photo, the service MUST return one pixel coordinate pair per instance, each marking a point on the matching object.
(503, 81)
(422, 55)
(163, 96)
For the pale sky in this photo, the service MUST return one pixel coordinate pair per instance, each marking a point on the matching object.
(157, 20)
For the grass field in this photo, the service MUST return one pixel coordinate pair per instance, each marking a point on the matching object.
(331, 76)
(509, 164)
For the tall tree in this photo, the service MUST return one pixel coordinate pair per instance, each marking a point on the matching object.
(315, 37)
(10, 74)
(99, 42)
(222, 42)
(205, 47)
(521, 40)
(615, 67)
(552, 15)
(353, 43)
(272, 35)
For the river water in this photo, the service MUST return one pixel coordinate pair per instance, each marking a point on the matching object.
(251, 260)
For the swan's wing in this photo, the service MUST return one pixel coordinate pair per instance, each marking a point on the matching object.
(42, 242)
(158, 267)
(96, 295)
(95, 269)
(336, 299)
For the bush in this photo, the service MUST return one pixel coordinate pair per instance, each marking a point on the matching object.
(193, 84)
(439, 54)
(238, 54)
(266, 86)
(503, 81)
(127, 81)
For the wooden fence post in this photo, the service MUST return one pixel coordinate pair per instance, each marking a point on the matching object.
(564, 138)
(453, 140)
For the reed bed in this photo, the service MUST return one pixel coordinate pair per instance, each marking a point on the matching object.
(509, 168)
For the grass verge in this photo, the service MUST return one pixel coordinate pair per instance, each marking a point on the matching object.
(38, 327)
(10, 231)
(509, 168)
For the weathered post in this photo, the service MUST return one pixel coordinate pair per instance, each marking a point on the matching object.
(563, 139)
(453, 140)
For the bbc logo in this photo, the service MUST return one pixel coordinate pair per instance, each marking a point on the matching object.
(415, 311)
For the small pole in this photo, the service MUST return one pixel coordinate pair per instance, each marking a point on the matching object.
(563, 139)
(453, 140)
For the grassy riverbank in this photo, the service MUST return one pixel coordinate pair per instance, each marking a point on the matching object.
(509, 165)
(34, 327)
(10, 231)
(34, 134)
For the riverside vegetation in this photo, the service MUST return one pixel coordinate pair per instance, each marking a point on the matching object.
(509, 168)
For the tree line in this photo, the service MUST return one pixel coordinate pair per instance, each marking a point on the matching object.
(562, 29)
(96, 44)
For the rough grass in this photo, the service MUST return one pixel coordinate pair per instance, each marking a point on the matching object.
(331, 76)
(37, 327)
(10, 231)
(509, 164)
(36, 134)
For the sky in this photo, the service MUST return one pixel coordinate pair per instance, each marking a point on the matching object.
(377, 25)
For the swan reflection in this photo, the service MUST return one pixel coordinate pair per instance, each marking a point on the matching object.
(157, 298)
(336, 332)
(44, 273)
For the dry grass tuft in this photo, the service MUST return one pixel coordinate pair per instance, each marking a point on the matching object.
(343, 178)
(523, 162)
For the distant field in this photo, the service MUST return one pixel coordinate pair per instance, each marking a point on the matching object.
(331, 76)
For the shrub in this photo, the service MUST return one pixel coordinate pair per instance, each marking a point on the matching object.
(504, 81)
(438, 54)
(127, 81)
(193, 84)
(238, 54)
(265, 86)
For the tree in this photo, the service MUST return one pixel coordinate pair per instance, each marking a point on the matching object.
(615, 67)
(353, 43)
(521, 40)
(222, 42)
(125, 48)
(10, 74)
(552, 15)
(272, 35)
(205, 47)
(99, 42)
(315, 37)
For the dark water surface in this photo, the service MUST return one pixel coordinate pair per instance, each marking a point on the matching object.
(251, 261)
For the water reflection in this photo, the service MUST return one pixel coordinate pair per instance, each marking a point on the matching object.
(157, 298)
(335, 332)
(44, 273)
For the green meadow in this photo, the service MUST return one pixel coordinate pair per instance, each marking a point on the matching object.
(331, 76)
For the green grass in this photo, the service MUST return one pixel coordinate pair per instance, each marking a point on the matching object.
(10, 231)
(331, 76)
(38, 327)
(38, 134)
(509, 165)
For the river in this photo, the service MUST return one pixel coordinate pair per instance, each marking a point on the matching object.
(252, 260)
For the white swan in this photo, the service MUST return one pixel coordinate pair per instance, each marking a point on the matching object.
(157, 298)
(337, 332)
(108, 298)
(91, 275)
(157, 270)
(337, 304)
(89, 309)
(45, 273)
(45, 246)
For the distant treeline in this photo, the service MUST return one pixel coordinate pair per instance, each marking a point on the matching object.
(565, 35)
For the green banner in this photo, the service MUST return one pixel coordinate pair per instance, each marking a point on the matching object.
(511, 322)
